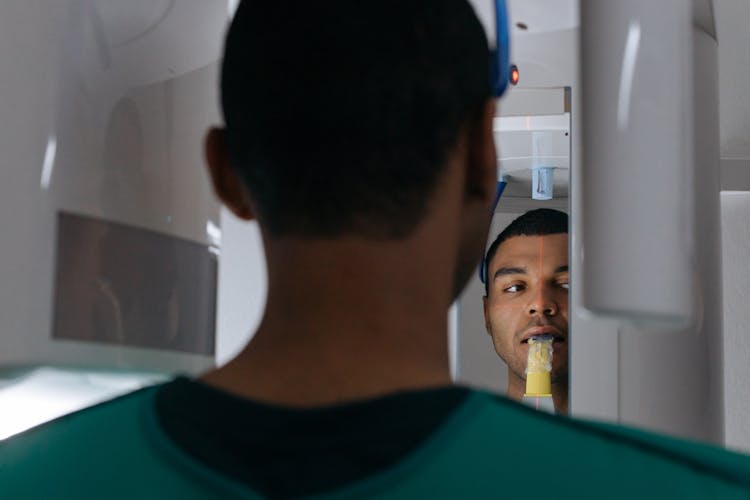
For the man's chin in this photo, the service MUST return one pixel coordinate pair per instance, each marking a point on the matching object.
(520, 375)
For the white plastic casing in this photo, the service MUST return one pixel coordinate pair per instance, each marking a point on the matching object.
(105, 107)
(638, 160)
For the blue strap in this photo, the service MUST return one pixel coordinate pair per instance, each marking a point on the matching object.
(483, 264)
(500, 56)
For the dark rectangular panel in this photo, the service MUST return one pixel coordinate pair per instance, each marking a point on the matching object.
(123, 285)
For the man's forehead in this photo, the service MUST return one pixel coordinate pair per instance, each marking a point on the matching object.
(521, 250)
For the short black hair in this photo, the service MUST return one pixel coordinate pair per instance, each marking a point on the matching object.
(539, 222)
(340, 113)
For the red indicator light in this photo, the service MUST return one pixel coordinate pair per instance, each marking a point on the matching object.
(514, 75)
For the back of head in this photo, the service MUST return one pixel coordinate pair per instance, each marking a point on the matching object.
(539, 222)
(340, 114)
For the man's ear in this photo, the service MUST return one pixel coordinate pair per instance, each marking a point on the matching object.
(487, 326)
(481, 178)
(227, 184)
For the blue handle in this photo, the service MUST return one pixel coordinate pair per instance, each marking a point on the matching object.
(500, 57)
(483, 264)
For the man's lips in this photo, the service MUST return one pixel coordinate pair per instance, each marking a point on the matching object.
(542, 330)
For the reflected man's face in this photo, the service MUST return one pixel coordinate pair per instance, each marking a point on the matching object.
(528, 295)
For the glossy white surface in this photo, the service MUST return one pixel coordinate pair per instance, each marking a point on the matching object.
(538, 16)
(541, 16)
(106, 105)
(665, 379)
(735, 225)
(732, 17)
(637, 160)
(45, 393)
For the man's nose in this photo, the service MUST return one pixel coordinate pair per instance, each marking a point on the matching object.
(542, 304)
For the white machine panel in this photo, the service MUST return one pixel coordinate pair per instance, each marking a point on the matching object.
(638, 160)
(107, 103)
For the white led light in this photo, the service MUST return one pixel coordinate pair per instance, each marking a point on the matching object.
(49, 161)
(213, 231)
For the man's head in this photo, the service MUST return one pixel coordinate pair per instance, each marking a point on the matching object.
(527, 289)
(341, 116)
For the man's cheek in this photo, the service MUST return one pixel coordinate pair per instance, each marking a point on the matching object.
(507, 347)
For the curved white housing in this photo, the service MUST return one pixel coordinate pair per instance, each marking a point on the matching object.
(637, 160)
(105, 104)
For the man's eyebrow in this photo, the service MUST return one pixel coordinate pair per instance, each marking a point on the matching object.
(561, 269)
(504, 271)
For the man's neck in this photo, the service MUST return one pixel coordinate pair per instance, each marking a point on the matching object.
(344, 323)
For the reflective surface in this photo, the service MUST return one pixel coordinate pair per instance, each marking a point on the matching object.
(541, 137)
(121, 285)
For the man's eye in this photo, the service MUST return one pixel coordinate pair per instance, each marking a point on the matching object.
(514, 288)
